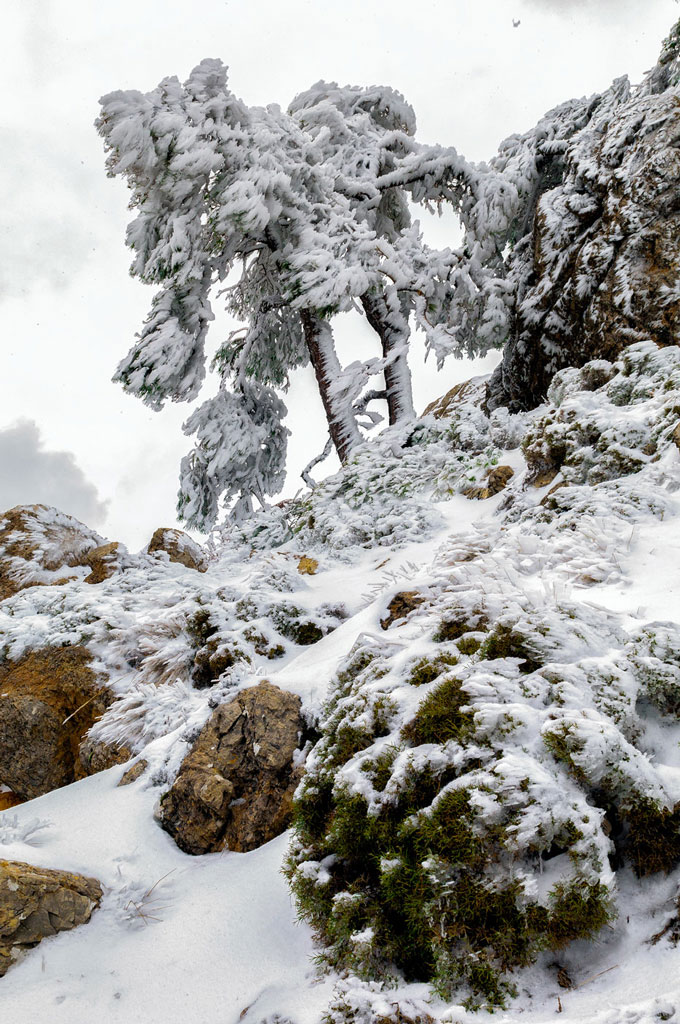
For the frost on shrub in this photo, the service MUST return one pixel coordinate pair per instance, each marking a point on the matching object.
(385, 495)
(482, 775)
(436, 834)
(655, 657)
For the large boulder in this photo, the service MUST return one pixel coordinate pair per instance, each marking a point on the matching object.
(42, 546)
(48, 701)
(39, 902)
(178, 546)
(235, 788)
(601, 268)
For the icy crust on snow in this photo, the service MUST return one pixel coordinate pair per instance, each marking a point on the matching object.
(546, 727)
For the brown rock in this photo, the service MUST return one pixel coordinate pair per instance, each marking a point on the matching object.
(308, 566)
(134, 772)
(179, 547)
(400, 606)
(38, 902)
(497, 479)
(104, 561)
(9, 799)
(96, 756)
(543, 477)
(48, 701)
(235, 788)
(41, 546)
(472, 390)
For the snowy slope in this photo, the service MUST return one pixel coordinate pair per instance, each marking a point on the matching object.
(215, 938)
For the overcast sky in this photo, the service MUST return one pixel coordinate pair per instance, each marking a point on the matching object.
(68, 308)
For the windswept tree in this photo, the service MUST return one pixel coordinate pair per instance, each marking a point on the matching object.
(299, 216)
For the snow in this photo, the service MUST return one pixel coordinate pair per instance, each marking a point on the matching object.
(215, 935)
(199, 939)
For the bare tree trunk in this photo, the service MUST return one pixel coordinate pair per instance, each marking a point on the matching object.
(342, 423)
(391, 325)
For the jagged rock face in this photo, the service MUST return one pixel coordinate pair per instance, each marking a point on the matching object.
(42, 546)
(604, 269)
(235, 788)
(38, 902)
(179, 547)
(48, 701)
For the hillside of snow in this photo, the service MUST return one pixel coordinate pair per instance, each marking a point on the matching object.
(550, 609)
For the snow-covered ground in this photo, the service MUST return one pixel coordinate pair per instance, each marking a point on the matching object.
(216, 938)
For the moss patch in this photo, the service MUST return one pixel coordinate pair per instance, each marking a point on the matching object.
(440, 717)
(290, 623)
(428, 669)
(507, 642)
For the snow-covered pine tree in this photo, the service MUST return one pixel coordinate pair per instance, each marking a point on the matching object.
(310, 210)
(361, 133)
(214, 185)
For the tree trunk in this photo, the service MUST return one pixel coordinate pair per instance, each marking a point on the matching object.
(342, 424)
(391, 325)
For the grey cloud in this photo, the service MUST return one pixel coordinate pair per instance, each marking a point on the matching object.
(30, 474)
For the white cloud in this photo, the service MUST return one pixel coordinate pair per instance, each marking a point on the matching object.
(601, 8)
(30, 474)
(44, 236)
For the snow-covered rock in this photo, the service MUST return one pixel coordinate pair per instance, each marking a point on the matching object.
(40, 545)
(599, 268)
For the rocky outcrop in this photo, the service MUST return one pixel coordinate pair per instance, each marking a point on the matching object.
(42, 546)
(467, 391)
(497, 479)
(401, 606)
(178, 547)
(38, 902)
(106, 560)
(95, 755)
(602, 267)
(235, 788)
(48, 701)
